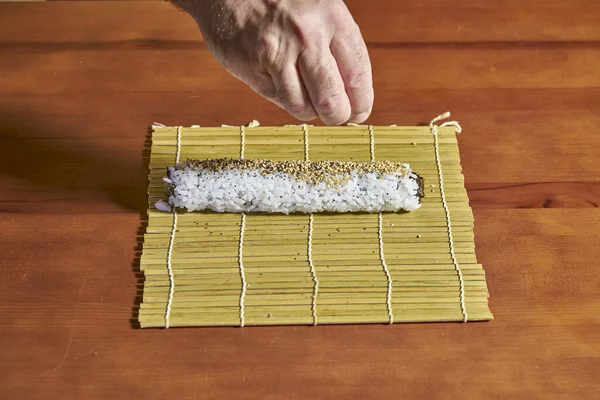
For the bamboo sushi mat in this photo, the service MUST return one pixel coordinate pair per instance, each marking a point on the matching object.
(219, 269)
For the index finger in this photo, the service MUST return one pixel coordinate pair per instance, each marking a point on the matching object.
(324, 84)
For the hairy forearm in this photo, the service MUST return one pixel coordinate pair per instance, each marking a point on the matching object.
(215, 19)
(197, 8)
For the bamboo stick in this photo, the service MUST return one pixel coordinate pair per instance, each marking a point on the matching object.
(345, 248)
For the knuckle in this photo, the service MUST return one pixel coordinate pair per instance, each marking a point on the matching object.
(358, 80)
(308, 29)
(349, 28)
(308, 36)
(333, 110)
(283, 94)
(266, 92)
(338, 16)
(296, 108)
(337, 9)
(268, 49)
(330, 103)
(293, 106)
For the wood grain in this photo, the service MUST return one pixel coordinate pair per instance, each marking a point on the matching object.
(413, 21)
(80, 83)
(75, 311)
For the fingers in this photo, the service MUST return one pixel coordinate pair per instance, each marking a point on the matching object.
(350, 52)
(324, 84)
(290, 93)
(261, 83)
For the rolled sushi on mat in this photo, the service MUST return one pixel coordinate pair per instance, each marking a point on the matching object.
(254, 185)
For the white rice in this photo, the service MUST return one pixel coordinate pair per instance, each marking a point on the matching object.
(235, 190)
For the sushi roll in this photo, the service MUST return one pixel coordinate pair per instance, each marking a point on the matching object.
(256, 185)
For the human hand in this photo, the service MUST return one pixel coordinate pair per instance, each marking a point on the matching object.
(307, 56)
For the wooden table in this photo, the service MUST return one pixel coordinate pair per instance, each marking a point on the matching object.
(80, 84)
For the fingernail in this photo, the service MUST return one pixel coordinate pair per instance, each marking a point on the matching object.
(360, 117)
